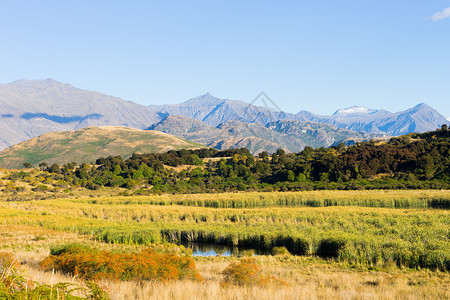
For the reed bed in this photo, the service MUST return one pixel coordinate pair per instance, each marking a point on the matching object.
(376, 198)
(374, 236)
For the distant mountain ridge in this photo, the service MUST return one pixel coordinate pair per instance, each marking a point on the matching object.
(215, 111)
(29, 108)
(420, 118)
(291, 136)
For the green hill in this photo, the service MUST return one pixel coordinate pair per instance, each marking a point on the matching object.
(88, 144)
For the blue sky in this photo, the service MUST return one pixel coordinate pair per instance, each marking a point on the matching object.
(306, 55)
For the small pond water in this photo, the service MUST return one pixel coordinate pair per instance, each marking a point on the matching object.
(200, 249)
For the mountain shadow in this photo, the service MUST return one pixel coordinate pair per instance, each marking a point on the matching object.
(59, 119)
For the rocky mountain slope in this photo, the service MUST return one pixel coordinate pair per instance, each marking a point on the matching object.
(291, 136)
(29, 108)
(215, 111)
(88, 144)
(420, 118)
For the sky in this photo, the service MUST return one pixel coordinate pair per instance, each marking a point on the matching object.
(305, 55)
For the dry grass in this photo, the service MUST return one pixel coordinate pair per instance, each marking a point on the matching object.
(305, 282)
(15, 238)
(307, 278)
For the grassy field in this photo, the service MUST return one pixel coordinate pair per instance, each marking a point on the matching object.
(342, 244)
(307, 277)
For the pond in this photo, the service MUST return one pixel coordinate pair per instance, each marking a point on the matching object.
(201, 249)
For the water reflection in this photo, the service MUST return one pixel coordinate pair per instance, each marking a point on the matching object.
(200, 249)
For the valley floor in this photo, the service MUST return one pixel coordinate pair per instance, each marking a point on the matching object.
(30, 227)
(306, 277)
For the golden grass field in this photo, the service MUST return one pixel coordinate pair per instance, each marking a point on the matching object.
(307, 278)
(31, 223)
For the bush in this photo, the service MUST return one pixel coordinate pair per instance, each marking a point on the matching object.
(14, 286)
(279, 251)
(40, 188)
(247, 273)
(91, 264)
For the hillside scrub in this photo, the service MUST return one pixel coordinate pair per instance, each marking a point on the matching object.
(415, 161)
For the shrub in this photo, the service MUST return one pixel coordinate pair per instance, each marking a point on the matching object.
(14, 286)
(279, 251)
(247, 273)
(40, 188)
(91, 264)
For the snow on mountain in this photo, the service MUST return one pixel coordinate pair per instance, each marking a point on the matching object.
(354, 110)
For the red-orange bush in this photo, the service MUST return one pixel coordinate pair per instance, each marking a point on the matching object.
(92, 264)
(246, 273)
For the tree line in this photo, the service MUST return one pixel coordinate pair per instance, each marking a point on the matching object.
(414, 161)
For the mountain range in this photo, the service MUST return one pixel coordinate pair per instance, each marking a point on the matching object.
(29, 108)
(291, 136)
(215, 111)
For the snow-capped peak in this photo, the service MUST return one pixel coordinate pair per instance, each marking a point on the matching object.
(353, 110)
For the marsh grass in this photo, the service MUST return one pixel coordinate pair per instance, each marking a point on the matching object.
(349, 251)
(374, 198)
(414, 238)
(306, 277)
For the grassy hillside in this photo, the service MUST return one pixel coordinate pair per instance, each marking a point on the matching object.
(86, 145)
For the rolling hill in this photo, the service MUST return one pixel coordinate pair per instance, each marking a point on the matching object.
(88, 144)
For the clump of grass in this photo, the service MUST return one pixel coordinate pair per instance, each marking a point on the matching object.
(38, 238)
(92, 264)
(247, 273)
(280, 251)
(247, 253)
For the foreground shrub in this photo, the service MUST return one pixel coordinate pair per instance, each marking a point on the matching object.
(247, 273)
(14, 286)
(92, 264)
